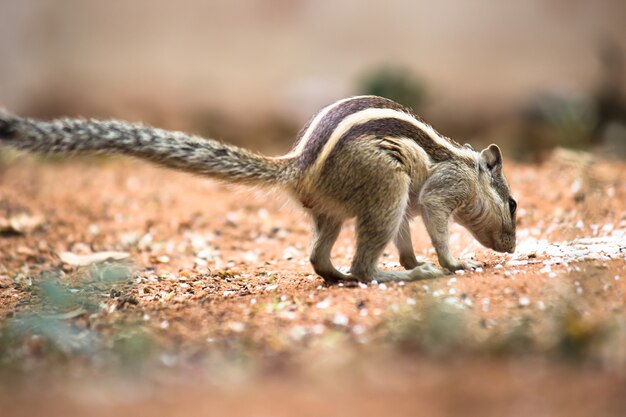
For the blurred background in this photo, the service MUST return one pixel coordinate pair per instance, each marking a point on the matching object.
(536, 74)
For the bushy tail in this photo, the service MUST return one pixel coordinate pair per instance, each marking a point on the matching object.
(172, 149)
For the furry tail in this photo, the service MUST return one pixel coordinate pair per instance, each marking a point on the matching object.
(172, 149)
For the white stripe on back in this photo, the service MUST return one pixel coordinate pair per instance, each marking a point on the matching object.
(370, 114)
(297, 151)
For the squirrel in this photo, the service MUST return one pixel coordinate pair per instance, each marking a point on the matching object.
(366, 157)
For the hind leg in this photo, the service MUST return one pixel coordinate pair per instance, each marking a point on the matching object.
(376, 226)
(325, 232)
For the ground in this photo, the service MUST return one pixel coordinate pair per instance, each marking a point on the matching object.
(215, 308)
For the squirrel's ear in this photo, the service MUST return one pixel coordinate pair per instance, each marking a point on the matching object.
(492, 158)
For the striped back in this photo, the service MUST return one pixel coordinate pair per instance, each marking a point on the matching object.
(367, 116)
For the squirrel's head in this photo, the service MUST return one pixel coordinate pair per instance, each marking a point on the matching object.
(490, 215)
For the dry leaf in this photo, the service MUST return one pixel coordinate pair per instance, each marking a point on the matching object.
(83, 260)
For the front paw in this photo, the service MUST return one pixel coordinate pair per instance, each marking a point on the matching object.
(425, 270)
(458, 264)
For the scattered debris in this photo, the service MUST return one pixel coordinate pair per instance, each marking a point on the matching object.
(21, 223)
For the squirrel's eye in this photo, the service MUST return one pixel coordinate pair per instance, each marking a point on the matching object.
(512, 206)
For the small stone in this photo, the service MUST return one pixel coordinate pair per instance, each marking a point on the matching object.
(298, 333)
(359, 329)
(236, 326)
(451, 300)
(318, 329)
(164, 259)
(340, 320)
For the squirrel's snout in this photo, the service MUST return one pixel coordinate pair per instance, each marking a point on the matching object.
(503, 246)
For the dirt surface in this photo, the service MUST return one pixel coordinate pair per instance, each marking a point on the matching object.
(236, 322)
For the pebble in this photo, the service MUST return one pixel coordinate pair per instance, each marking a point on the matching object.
(236, 326)
(169, 359)
(340, 320)
(451, 300)
(318, 329)
(290, 252)
(164, 259)
(359, 329)
(298, 333)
